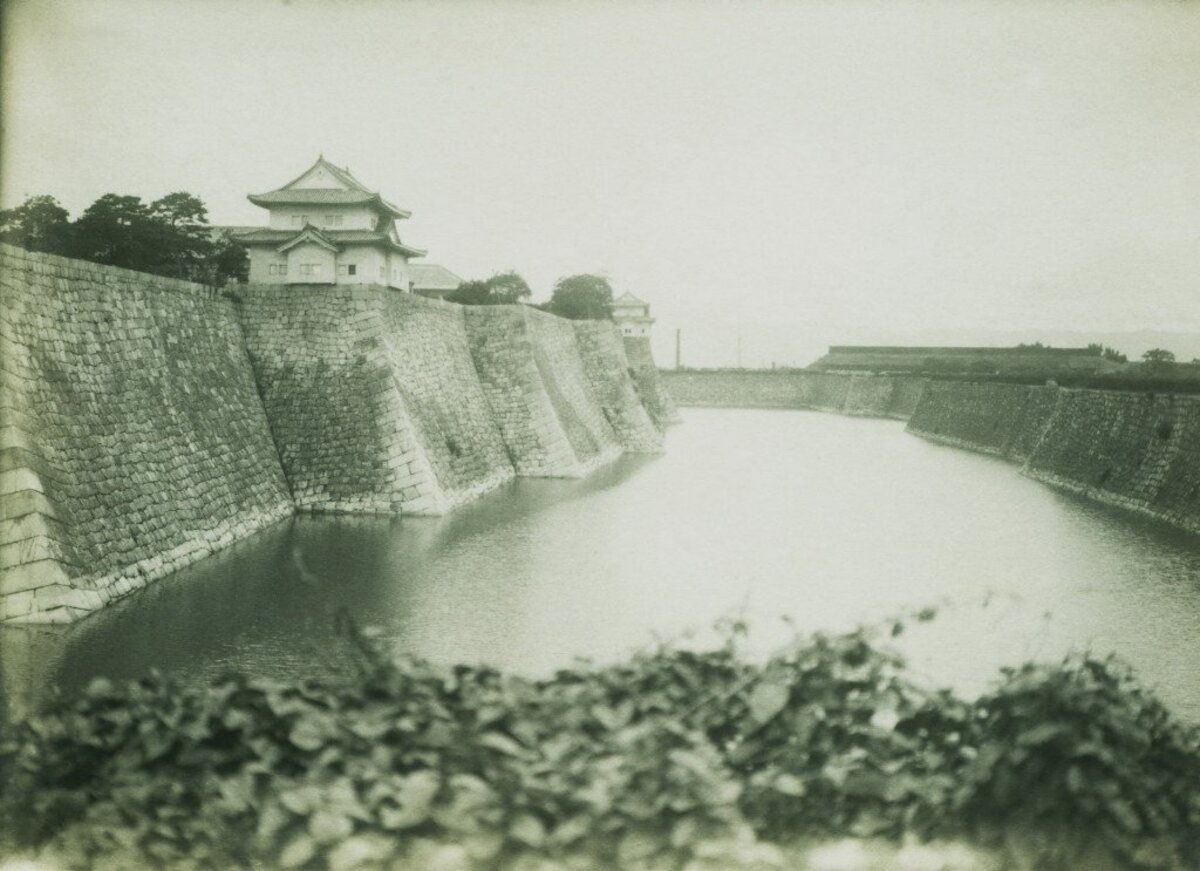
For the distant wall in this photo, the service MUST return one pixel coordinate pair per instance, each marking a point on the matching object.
(426, 341)
(559, 359)
(132, 439)
(532, 375)
(894, 360)
(859, 395)
(650, 387)
(609, 375)
(503, 349)
(1136, 450)
(1002, 419)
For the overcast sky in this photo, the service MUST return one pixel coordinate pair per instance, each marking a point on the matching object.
(804, 172)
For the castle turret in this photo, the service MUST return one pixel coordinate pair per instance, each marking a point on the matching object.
(631, 315)
(327, 227)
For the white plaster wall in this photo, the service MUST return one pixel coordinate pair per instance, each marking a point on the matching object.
(310, 253)
(318, 177)
(365, 258)
(353, 217)
(397, 275)
(260, 263)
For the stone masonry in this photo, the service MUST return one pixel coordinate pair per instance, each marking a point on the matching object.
(503, 348)
(649, 386)
(609, 374)
(856, 395)
(557, 355)
(146, 422)
(344, 432)
(426, 340)
(1139, 451)
(132, 439)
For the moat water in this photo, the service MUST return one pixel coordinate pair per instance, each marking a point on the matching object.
(826, 521)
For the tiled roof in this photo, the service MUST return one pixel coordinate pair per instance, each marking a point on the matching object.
(356, 194)
(341, 237)
(431, 276)
(628, 298)
(311, 234)
(342, 175)
(334, 196)
(326, 197)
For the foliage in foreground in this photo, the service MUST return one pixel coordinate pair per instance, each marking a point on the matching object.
(652, 762)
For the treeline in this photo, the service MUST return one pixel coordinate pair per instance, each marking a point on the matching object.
(577, 297)
(170, 236)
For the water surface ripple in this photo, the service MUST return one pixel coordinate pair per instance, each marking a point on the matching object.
(823, 519)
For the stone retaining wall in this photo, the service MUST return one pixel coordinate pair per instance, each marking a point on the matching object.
(558, 359)
(146, 422)
(645, 376)
(990, 418)
(345, 436)
(1139, 451)
(373, 398)
(533, 378)
(132, 439)
(608, 373)
(858, 395)
(502, 347)
(426, 341)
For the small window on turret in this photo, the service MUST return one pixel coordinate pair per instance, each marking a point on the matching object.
(352, 269)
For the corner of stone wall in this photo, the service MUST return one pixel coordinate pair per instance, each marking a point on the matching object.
(65, 549)
(653, 392)
(608, 372)
(559, 361)
(433, 369)
(501, 343)
(35, 560)
(344, 434)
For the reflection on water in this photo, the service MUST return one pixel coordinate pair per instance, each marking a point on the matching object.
(824, 519)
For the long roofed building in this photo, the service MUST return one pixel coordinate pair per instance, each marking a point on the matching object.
(327, 227)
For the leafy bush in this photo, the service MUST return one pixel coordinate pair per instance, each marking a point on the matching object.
(649, 762)
(1082, 750)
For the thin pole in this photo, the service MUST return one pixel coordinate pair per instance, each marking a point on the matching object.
(677, 347)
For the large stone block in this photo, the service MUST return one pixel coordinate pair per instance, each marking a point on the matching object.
(131, 424)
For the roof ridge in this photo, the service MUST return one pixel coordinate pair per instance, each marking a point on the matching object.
(309, 230)
(342, 175)
(345, 176)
